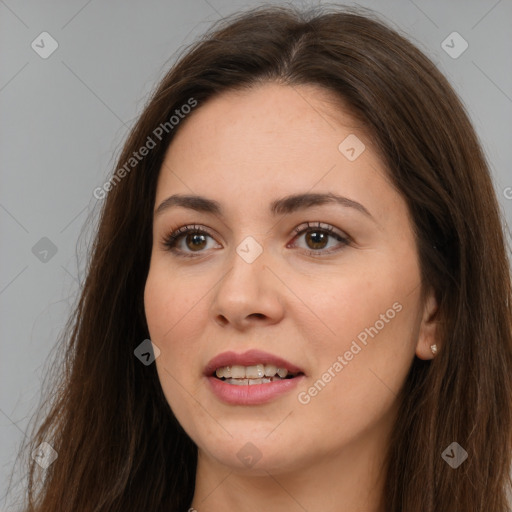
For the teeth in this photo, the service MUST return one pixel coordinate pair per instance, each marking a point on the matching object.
(270, 370)
(240, 382)
(250, 372)
(238, 372)
(255, 372)
(250, 382)
(282, 372)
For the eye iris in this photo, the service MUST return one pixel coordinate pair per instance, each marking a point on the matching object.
(316, 235)
(195, 237)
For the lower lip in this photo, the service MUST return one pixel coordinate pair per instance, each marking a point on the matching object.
(252, 394)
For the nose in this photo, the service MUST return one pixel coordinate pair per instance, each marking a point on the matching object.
(248, 293)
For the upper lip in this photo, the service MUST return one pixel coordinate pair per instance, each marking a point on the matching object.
(249, 358)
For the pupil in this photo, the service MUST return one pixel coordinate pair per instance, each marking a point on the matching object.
(195, 239)
(317, 234)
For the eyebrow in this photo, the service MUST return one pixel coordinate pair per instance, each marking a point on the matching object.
(285, 205)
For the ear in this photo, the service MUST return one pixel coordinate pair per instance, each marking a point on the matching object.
(428, 330)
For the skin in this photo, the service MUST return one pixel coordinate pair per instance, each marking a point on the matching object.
(245, 149)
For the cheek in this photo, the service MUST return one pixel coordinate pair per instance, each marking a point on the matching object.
(371, 324)
(172, 311)
(355, 304)
(169, 302)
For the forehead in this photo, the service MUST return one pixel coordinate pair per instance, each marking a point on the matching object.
(270, 108)
(271, 131)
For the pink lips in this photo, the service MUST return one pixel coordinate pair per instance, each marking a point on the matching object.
(252, 394)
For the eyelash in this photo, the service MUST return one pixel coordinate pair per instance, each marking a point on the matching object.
(170, 241)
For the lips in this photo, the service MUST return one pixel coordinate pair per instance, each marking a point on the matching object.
(248, 391)
(249, 358)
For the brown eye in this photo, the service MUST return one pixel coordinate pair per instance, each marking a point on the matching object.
(197, 241)
(317, 239)
(190, 241)
(194, 239)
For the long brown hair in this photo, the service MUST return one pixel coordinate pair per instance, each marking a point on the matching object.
(119, 446)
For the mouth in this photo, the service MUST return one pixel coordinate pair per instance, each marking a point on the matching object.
(251, 378)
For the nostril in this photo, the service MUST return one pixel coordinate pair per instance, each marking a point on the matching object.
(222, 320)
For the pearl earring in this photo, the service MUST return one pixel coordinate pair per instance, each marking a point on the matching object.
(434, 349)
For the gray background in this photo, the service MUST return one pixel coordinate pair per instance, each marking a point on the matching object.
(63, 119)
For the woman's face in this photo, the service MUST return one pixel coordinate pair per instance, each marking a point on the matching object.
(342, 307)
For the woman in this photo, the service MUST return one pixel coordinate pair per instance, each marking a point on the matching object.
(303, 224)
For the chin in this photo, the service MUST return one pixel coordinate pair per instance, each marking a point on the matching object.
(255, 454)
